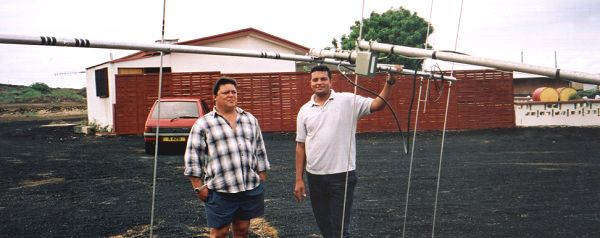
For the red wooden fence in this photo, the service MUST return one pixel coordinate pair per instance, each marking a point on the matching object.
(480, 99)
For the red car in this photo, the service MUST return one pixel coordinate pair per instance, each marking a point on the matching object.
(177, 116)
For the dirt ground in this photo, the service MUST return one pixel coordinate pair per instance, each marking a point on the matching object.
(41, 111)
(526, 182)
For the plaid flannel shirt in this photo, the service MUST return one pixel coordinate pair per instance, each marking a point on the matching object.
(228, 161)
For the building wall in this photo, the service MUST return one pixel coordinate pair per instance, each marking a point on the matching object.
(100, 110)
(200, 63)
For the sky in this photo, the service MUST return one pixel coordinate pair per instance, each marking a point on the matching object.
(537, 32)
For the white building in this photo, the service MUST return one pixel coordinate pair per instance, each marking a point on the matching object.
(100, 79)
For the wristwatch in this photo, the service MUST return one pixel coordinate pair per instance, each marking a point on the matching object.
(198, 189)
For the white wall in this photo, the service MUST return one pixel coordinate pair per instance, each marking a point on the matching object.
(100, 110)
(145, 62)
(231, 64)
(575, 113)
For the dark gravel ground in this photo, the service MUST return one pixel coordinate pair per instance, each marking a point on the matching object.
(524, 182)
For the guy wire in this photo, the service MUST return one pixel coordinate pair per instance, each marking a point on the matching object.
(160, 77)
(362, 18)
(412, 154)
(437, 190)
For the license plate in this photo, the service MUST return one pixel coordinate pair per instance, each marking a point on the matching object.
(173, 139)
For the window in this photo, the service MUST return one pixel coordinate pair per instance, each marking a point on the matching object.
(102, 82)
(177, 109)
(155, 70)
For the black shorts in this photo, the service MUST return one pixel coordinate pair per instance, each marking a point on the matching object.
(224, 208)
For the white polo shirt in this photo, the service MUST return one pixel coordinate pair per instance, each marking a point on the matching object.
(328, 132)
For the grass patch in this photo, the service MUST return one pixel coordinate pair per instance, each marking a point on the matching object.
(39, 93)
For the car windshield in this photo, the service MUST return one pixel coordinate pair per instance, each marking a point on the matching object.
(169, 110)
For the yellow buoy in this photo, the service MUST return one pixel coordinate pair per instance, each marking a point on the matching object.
(565, 93)
(545, 94)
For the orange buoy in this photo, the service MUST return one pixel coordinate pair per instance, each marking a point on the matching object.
(545, 94)
(565, 93)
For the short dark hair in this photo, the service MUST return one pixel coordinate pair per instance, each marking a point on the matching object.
(321, 68)
(222, 81)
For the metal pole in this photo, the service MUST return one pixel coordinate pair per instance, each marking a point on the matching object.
(160, 79)
(473, 60)
(86, 43)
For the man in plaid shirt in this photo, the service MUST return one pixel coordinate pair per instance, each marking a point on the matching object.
(227, 163)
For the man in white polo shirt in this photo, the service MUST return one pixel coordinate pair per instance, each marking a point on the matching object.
(326, 149)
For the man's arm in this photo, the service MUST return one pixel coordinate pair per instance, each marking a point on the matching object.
(299, 189)
(196, 182)
(199, 188)
(260, 152)
(195, 148)
(378, 103)
(193, 163)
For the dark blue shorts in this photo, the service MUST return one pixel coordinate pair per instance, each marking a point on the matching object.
(223, 208)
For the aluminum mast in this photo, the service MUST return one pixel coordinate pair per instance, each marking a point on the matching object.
(473, 60)
(460, 58)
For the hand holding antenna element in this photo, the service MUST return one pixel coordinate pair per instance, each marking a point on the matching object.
(390, 80)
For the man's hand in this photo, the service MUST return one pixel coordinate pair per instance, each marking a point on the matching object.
(390, 80)
(263, 176)
(203, 194)
(299, 191)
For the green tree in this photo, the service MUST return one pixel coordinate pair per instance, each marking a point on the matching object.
(590, 93)
(395, 26)
(41, 87)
